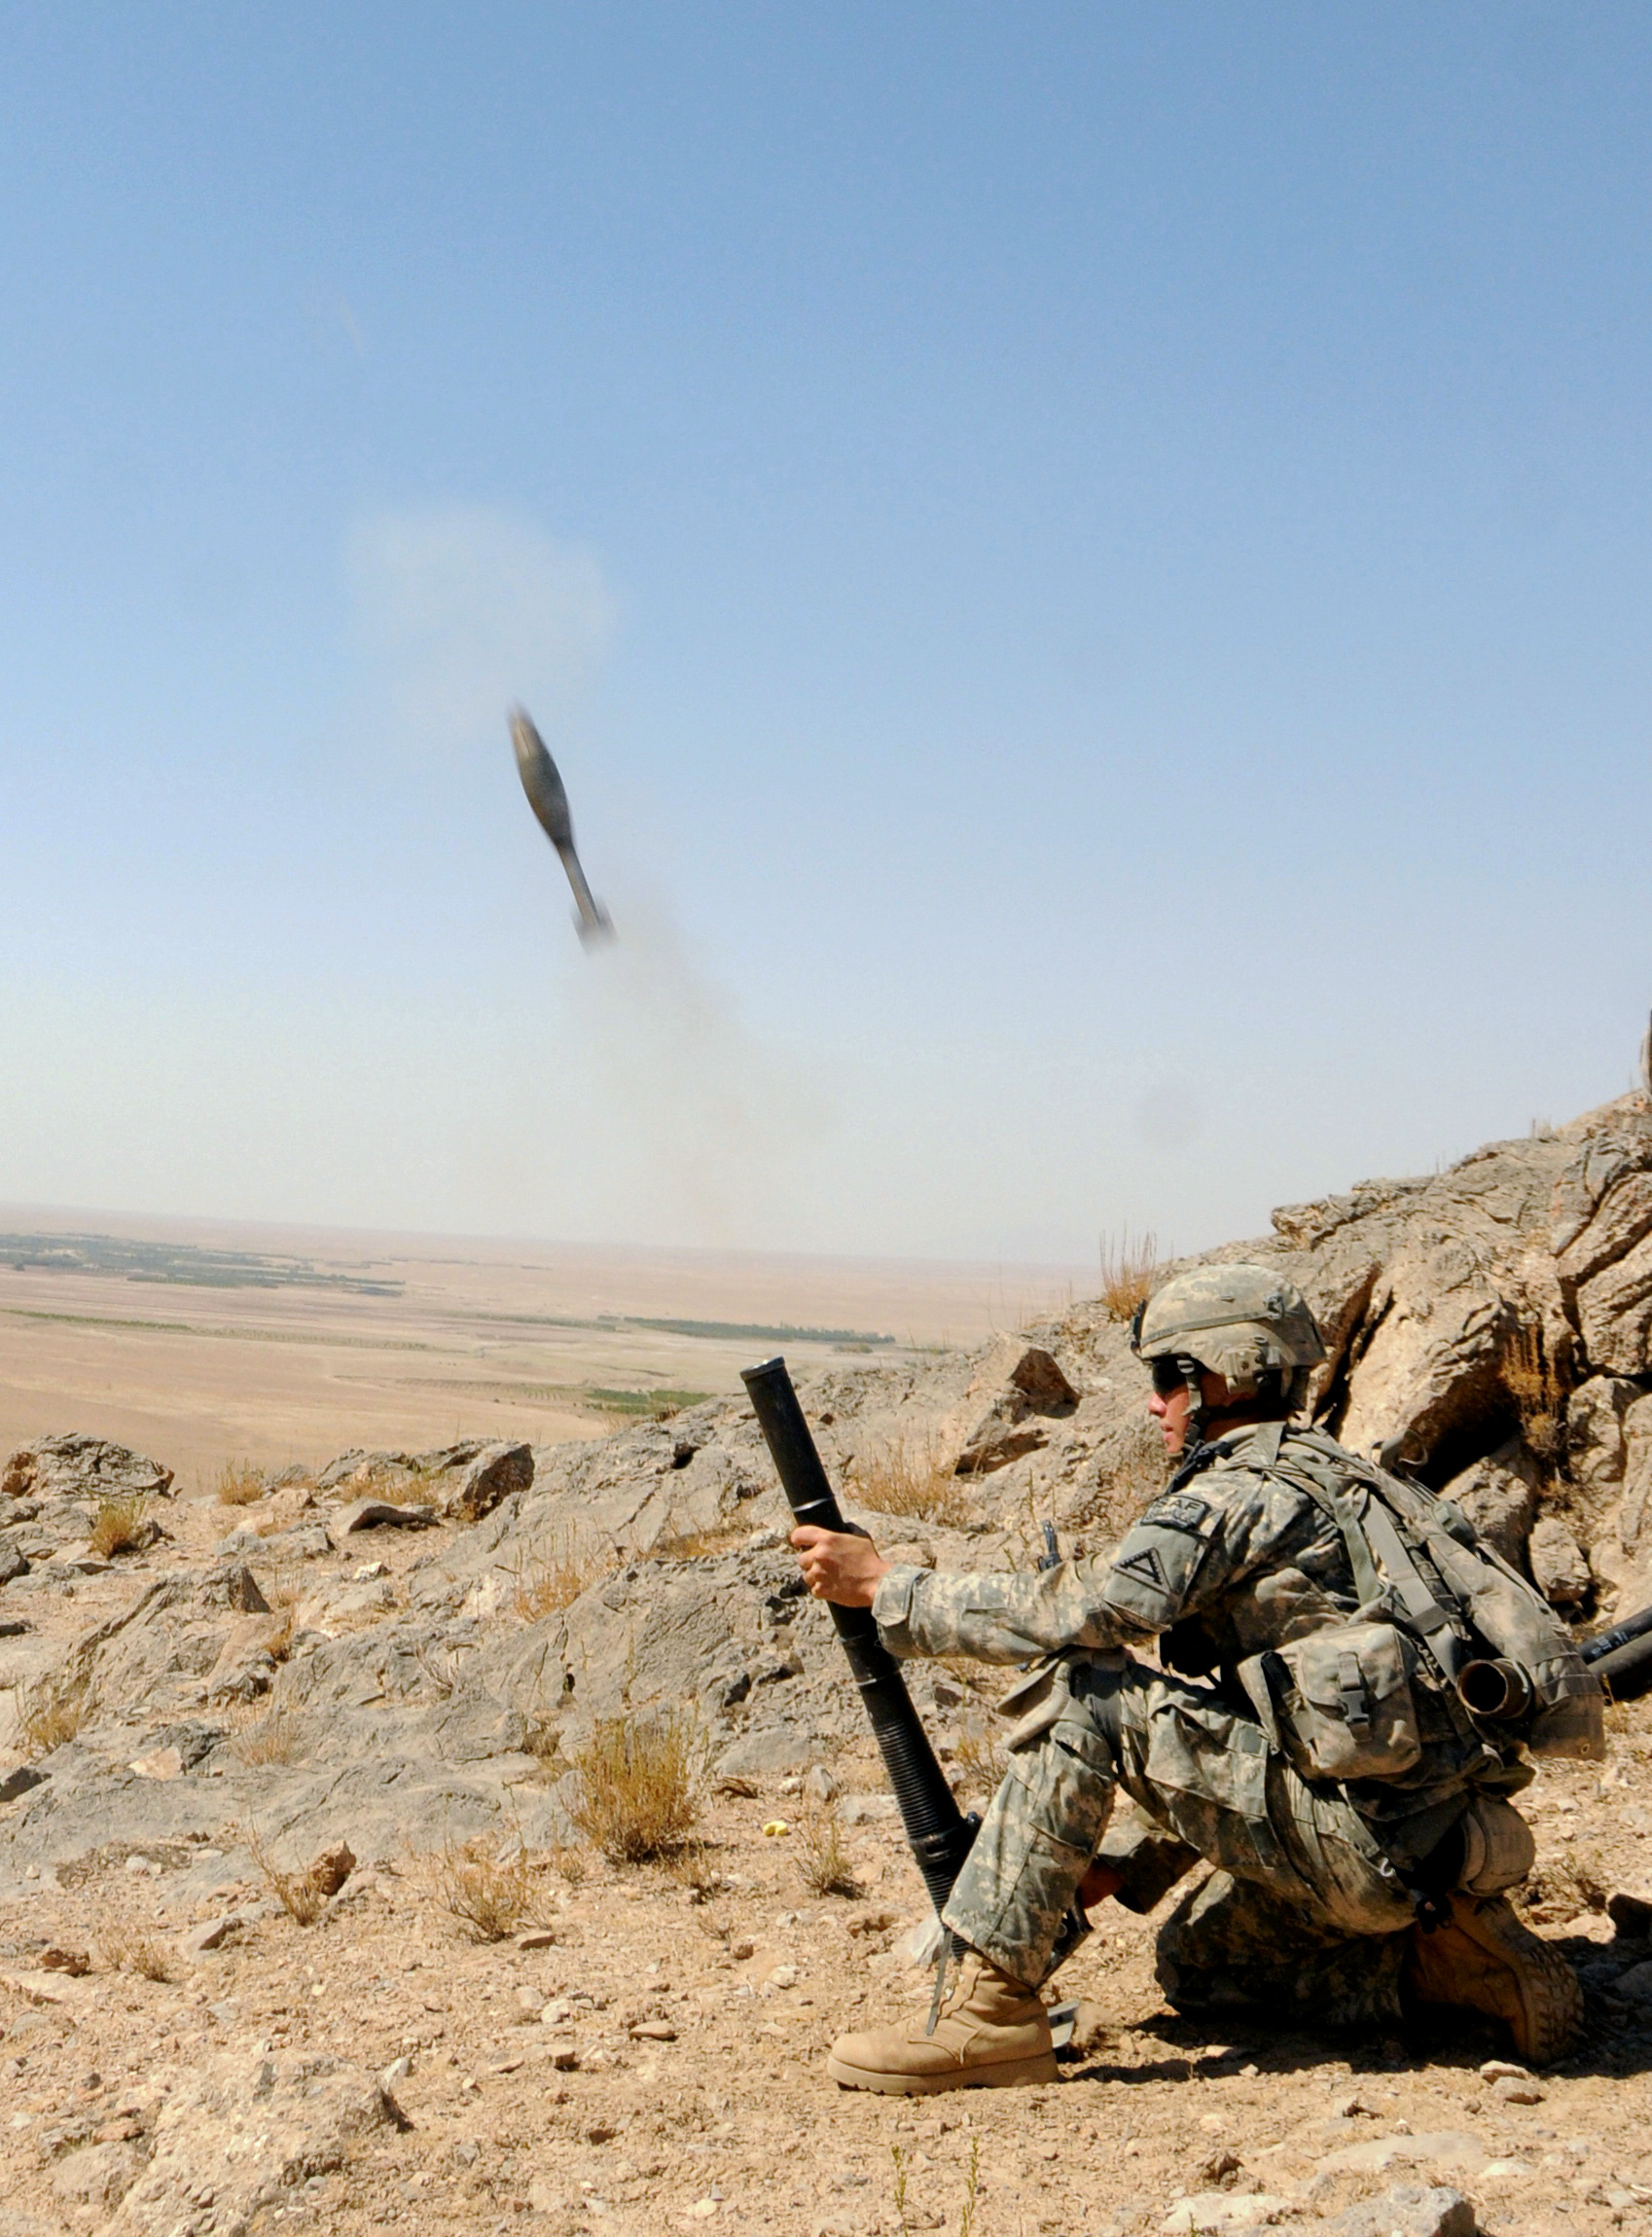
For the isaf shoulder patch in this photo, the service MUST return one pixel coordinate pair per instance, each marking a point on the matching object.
(1180, 1511)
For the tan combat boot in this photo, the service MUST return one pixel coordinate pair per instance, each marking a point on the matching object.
(991, 2033)
(1483, 1960)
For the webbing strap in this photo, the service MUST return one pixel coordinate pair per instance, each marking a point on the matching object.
(1371, 1526)
(1437, 1626)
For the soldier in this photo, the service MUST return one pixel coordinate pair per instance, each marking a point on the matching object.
(1356, 1815)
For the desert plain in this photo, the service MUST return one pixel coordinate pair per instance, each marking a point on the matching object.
(206, 1341)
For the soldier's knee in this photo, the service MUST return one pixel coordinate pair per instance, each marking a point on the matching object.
(1061, 1782)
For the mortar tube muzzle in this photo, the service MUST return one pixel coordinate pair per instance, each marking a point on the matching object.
(1500, 1692)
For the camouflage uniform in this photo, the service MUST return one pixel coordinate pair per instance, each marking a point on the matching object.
(1309, 1905)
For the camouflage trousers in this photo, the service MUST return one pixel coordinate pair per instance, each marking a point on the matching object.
(1304, 1913)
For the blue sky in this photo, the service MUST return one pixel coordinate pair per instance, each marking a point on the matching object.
(1086, 568)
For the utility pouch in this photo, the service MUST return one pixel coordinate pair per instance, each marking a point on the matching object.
(1345, 1708)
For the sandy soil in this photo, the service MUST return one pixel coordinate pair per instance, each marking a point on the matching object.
(534, 2100)
(496, 1339)
(658, 2062)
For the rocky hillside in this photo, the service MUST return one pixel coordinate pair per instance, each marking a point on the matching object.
(405, 1651)
(439, 1625)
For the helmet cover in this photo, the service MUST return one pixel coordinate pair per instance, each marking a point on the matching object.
(1237, 1321)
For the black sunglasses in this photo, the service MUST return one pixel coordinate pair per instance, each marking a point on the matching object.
(1168, 1377)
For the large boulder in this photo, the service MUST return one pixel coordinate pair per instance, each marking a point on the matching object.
(1499, 1496)
(493, 1475)
(1595, 1432)
(242, 2132)
(1601, 1234)
(80, 1467)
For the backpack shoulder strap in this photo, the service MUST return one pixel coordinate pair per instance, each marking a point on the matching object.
(1369, 1532)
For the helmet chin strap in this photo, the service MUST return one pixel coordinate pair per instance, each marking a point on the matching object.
(1198, 1412)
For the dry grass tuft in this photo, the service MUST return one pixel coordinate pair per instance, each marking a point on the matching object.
(490, 1889)
(542, 1738)
(1533, 1391)
(117, 1527)
(128, 1948)
(1564, 1888)
(276, 1736)
(979, 1752)
(691, 1868)
(1127, 1268)
(912, 1478)
(543, 1587)
(278, 1640)
(568, 1864)
(701, 1545)
(52, 1708)
(639, 1786)
(240, 1485)
(301, 1894)
(822, 1854)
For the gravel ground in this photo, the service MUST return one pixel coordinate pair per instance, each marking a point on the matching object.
(657, 2060)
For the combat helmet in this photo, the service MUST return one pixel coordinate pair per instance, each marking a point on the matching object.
(1248, 1324)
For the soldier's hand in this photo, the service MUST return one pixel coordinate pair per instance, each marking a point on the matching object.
(838, 1565)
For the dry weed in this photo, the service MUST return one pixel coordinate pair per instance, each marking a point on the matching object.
(1530, 1381)
(639, 1784)
(301, 1896)
(1127, 1268)
(568, 1864)
(691, 1868)
(701, 1545)
(822, 1853)
(240, 1485)
(1563, 1888)
(542, 1738)
(52, 1708)
(487, 1889)
(910, 1477)
(542, 1587)
(275, 1737)
(129, 1948)
(117, 1527)
(979, 1752)
(278, 1640)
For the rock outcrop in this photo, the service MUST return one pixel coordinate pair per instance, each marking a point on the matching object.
(77, 1467)
(1489, 1324)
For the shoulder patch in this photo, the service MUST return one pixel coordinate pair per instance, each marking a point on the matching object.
(1179, 1511)
(1159, 1558)
(1144, 1564)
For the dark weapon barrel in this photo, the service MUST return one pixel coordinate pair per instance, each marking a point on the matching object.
(938, 1832)
(1627, 1672)
(1606, 1643)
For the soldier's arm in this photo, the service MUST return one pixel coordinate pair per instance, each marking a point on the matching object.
(1184, 1552)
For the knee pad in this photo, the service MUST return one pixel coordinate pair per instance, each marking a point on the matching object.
(1498, 1849)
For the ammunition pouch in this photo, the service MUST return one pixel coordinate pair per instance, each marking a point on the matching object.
(1338, 1703)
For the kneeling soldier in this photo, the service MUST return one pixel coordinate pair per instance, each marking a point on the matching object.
(1323, 1628)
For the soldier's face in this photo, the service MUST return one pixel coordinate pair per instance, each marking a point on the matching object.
(1169, 1409)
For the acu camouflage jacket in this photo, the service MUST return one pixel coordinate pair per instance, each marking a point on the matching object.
(1236, 1560)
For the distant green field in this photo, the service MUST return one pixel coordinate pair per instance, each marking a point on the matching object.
(641, 1404)
(178, 1264)
(754, 1332)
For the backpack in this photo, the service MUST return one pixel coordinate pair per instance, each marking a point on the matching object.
(1429, 1589)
